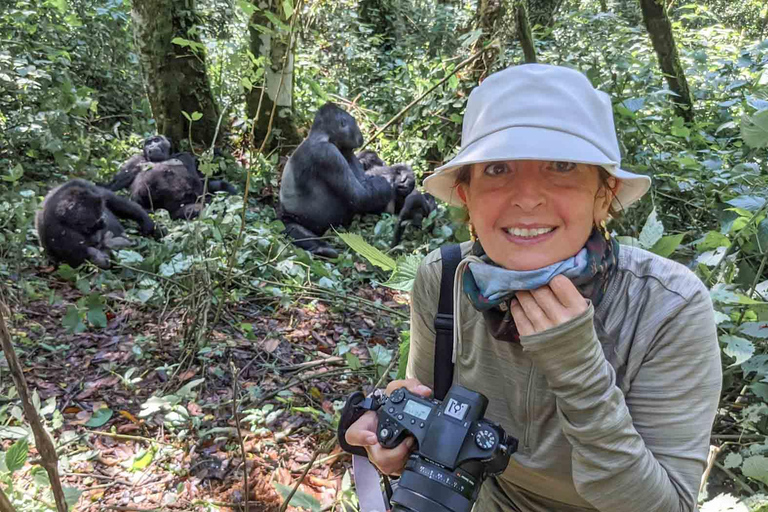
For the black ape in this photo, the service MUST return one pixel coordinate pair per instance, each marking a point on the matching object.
(416, 207)
(401, 179)
(79, 221)
(158, 179)
(323, 182)
(369, 159)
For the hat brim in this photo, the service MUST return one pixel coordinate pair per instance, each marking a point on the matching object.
(534, 143)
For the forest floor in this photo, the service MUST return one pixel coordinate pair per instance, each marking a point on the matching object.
(286, 369)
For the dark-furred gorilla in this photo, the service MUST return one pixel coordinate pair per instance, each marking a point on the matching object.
(78, 222)
(401, 179)
(416, 206)
(369, 159)
(324, 183)
(159, 180)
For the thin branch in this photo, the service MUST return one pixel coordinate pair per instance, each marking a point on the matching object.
(438, 84)
(246, 489)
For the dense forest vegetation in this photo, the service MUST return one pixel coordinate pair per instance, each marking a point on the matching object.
(205, 370)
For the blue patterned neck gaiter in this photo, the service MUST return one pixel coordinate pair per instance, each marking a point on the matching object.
(490, 287)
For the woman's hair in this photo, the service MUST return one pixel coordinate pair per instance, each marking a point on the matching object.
(465, 174)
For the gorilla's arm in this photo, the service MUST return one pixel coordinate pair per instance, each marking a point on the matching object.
(221, 186)
(127, 209)
(369, 193)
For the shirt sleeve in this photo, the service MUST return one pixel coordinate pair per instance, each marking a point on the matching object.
(646, 450)
(423, 310)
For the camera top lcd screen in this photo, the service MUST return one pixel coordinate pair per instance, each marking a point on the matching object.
(417, 409)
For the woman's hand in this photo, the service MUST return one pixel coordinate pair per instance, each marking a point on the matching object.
(390, 461)
(553, 304)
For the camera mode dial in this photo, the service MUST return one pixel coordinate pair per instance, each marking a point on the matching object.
(397, 396)
(485, 439)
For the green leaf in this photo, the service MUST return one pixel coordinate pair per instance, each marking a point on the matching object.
(667, 245)
(16, 455)
(96, 315)
(755, 329)
(300, 499)
(748, 203)
(405, 346)
(713, 240)
(733, 460)
(73, 321)
(127, 257)
(756, 467)
(288, 8)
(180, 41)
(352, 361)
(762, 235)
(196, 116)
(405, 273)
(754, 130)
(100, 417)
(247, 7)
(72, 495)
(737, 348)
(186, 116)
(760, 389)
(187, 389)
(366, 250)
(142, 460)
(380, 356)
(652, 231)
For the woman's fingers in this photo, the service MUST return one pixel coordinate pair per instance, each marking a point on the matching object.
(412, 385)
(524, 326)
(535, 314)
(391, 461)
(363, 431)
(568, 295)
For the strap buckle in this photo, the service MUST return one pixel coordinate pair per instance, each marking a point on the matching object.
(444, 322)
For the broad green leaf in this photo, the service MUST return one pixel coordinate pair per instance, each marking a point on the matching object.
(748, 203)
(755, 329)
(652, 231)
(352, 361)
(733, 460)
(300, 499)
(180, 41)
(100, 417)
(196, 116)
(754, 130)
(127, 257)
(667, 245)
(186, 390)
(288, 8)
(72, 321)
(96, 315)
(713, 240)
(738, 348)
(142, 460)
(757, 364)
(247, 7)
(762, 235)
(366, 250)
(380, 355)
(72, 495)
(16, 455)
(405, 273)
(756, 467)
(760, 389)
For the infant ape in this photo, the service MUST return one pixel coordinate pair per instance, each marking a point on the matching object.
(369, 159)
(78, 222)
(416, 207)
(402, 180)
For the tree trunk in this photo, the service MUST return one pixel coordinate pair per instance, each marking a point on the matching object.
(174, 74)
(273, 47)
(524, 32)
(660, 30)
(488, 14)
(542, 12)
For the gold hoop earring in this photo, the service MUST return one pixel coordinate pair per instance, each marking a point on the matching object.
(606, 234)
(472, 232)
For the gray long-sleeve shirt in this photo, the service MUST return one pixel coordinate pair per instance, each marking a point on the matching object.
(613, 409)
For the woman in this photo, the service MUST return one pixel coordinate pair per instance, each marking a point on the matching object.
(609, 372)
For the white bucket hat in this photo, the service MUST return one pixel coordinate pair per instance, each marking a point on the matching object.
(538, 112)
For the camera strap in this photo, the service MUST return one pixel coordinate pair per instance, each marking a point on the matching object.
(443, 364)
(368, 485)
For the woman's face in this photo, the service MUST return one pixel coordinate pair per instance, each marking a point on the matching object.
(529, 214)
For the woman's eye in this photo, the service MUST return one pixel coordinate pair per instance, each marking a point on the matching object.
(495, 169)
(563, 166)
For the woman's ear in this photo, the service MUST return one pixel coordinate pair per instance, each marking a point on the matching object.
(605, 197)
(461, 191)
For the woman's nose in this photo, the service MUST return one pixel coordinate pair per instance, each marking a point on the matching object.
(527, 190)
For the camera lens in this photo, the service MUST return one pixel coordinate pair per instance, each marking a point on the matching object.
(427, 487)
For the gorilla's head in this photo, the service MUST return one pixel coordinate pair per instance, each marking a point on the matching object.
(369, 159)
(157, 148)
(405, 180)
(340, 126)
(84, 207)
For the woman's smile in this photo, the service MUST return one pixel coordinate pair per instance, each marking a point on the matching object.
(529, 236)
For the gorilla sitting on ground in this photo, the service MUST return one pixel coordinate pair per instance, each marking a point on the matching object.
(401, 178)
(78, 222)
(159, 180)
(417, 206)
(324, 183)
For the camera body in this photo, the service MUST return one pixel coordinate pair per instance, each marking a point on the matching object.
(456, 448)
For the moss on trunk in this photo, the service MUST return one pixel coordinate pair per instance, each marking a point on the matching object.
(174, 75)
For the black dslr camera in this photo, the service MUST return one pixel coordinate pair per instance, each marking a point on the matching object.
(456, 448)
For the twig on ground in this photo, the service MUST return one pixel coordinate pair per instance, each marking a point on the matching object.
(127, 437)
(243, 453)
(5, 504)
(322, 449)
(43, 442)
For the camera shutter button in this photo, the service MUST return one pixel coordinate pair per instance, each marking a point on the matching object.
(385, 433)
